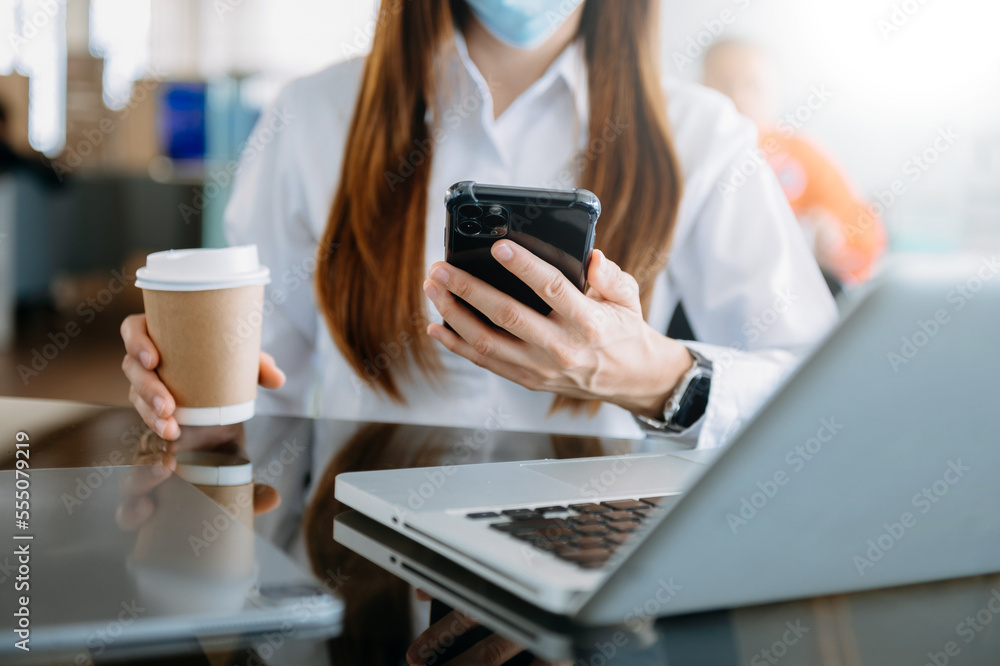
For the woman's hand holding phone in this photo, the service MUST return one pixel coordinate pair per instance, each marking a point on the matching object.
(591, 346)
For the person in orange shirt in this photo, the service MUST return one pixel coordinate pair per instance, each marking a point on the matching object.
(847, 237)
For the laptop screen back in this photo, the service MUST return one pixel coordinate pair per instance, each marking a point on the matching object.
(874, 465)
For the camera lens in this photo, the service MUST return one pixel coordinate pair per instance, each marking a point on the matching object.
(470, 210)
(469, 227)
(495, 220)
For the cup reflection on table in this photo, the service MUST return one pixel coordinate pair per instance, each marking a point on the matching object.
(191, 556)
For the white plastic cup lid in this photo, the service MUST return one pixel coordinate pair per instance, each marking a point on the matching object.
(206, 468)
(201, 269)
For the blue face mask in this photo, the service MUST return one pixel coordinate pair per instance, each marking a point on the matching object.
(524, 24)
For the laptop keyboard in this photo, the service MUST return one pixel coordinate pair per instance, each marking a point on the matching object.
(583, 534)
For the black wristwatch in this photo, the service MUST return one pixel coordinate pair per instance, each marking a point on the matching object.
(688, 401)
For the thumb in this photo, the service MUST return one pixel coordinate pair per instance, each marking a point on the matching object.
(265, 498)
(271, 376)
(612, 283)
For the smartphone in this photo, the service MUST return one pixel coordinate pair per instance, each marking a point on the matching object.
(557, 226)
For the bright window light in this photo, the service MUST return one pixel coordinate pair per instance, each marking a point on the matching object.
(8, 26)
(916, 58)
(40, 45)
(119, 33)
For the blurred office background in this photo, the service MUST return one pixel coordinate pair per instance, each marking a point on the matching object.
(125, 117)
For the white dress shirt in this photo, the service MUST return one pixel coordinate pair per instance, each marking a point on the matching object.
(751, 289)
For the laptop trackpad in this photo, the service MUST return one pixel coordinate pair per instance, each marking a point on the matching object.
(630, 475)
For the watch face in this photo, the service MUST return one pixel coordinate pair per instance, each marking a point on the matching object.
(693, 402)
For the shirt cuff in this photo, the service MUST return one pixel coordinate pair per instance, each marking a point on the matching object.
(742, 382)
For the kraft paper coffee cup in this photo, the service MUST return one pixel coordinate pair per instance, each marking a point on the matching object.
(204, 314)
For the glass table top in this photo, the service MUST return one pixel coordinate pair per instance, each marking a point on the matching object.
(946, 622)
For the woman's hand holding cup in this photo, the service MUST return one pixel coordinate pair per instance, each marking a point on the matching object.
(149, 395)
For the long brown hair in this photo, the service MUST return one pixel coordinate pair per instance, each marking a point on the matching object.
(371, 259)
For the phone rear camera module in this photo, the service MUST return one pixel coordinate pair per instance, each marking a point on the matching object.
(470, 228)
(470, 210)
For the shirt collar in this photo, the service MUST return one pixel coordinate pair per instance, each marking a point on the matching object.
(569, 69)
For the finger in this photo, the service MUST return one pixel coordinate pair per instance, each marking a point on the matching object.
(506, 312)
(158, 457)
(487, 342)
(493, 650)
(612, 283)
(131, 514)
(445, 630)
(151, 449)
(166, 428)
(265, 498)
(271, 376)
(149, 387)
(455, 343)
(422, 596)
(594, 295)
(544, 279)
(137, 505)
(142, 479)
(137, 341)
(146, 412)
(220, 439)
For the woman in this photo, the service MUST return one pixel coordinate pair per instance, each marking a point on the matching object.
(548, 93)
(347, 192)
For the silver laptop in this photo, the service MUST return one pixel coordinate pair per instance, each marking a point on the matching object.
(873, 465)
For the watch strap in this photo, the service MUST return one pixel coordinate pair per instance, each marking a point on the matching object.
(688, 402)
